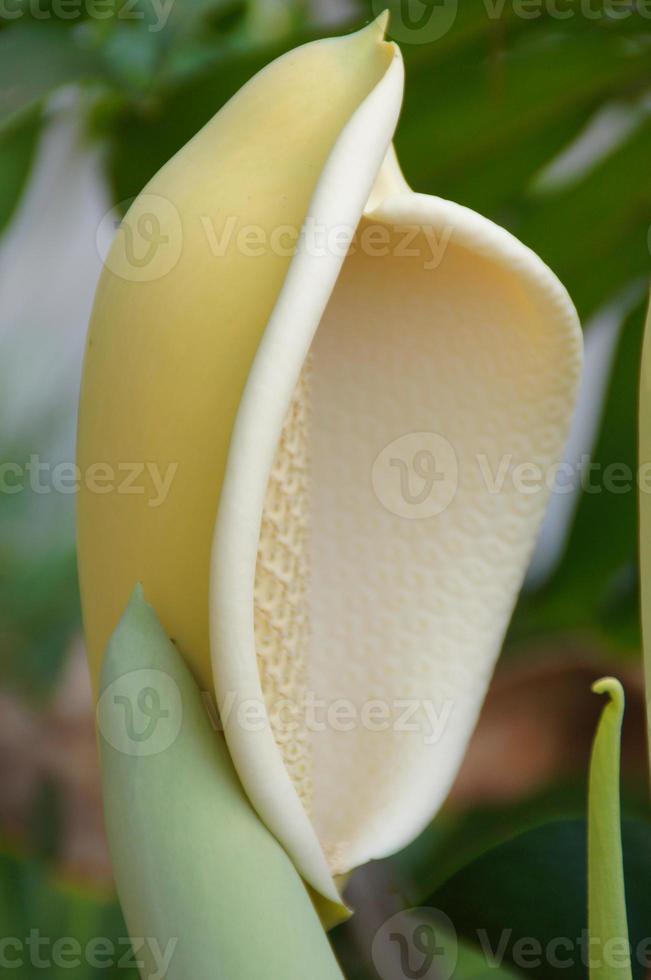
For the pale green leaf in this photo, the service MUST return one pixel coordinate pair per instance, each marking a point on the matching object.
(196, 870)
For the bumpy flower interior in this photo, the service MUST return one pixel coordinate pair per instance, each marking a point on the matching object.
(281, 589)
(359, 594)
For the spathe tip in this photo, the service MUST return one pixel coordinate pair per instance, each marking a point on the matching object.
(376, 29)
(381, 23)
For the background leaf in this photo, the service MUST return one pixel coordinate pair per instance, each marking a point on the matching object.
(17, 149)
(37, 58)
(53, 928)
(596, 587)
(534, 886)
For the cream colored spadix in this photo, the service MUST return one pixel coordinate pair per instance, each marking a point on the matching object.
(348, 417)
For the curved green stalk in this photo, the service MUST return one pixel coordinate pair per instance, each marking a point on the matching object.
(207, 892)
(608, 929)
(644, 453)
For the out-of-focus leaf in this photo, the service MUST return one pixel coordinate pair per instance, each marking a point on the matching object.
(39, 614)
(472, 965)
(271, 20)
(526, 900)
(606, 896)
(595, 588)
(612, 239)
(17, 149)
(37, 58)
(474, 125)
(131, 55)
(454, 840)
(392, 939)
(55, 929)
(169, 21)
(46, 823)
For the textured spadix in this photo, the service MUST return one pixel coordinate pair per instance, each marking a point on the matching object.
(351, 423)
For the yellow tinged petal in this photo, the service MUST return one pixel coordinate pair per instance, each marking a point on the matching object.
(176, 326)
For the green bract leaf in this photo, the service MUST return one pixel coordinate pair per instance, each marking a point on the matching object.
(606, 897)
(196, 870)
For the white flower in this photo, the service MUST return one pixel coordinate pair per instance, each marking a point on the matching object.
(356, 382)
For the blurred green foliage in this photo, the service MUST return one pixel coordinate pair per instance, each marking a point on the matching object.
(53, 928)
(488, 107)
(595, 590)
(532, 889)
